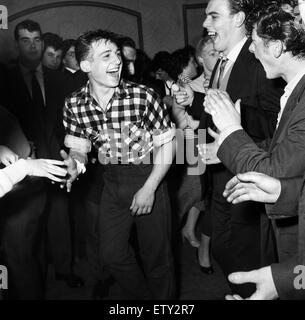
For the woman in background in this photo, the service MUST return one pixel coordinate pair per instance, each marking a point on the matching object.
(190, 193)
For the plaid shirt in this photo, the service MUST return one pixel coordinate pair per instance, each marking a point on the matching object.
(134, 122)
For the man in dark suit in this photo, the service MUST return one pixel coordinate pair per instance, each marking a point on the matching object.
(282, 280)
(36, 96)
(283, 156)
(240, 241)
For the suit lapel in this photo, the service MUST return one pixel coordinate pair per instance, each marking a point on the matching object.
(239, 70)
(239, 74)
(22, 87)
(292, 102)
(49, 113)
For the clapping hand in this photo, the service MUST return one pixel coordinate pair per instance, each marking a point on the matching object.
(208, 152)
(252, 186)
(223, 111)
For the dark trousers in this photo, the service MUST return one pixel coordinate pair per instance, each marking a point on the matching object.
(23, 224)
(99, 273)
(59, 229)
(236, 236)
(153, 234)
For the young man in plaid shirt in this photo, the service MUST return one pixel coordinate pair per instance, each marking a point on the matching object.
(130, 127)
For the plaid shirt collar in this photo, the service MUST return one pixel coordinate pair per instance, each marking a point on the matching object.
(121, 92)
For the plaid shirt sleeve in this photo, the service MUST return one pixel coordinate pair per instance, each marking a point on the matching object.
(157, 119)
(75, 138)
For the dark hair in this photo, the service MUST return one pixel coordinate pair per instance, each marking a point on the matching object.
(273, 23)
(245, 6)
(29, 25)
(179, 60)
(126, 42)
(66, 45)
(161, 60)
(254, 11)
(292, 3)
(249, 8)
(142, 66)
(52, 40)
(84, 42)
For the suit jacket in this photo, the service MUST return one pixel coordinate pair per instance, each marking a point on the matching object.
(292, 199)
(285, 153)
(50, 137)
(283, 159)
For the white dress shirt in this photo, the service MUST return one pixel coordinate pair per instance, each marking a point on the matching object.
(287, 93)
(233, 54)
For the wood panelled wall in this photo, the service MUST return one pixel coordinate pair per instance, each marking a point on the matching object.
(155, 25)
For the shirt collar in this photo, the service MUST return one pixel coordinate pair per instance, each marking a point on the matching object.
(293, 83)
(121, 91)
(233, 54)
(26, 71)
(71, 70)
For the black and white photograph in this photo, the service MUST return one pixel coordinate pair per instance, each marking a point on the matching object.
(152, 153)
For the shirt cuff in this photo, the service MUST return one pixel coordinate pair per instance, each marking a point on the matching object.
(11, 175)
(164, 138)
(228, 131)
(80, 145)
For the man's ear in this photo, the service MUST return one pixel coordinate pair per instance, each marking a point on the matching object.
(278, 48)
(200, 60)
(85, 66)
(240, 18)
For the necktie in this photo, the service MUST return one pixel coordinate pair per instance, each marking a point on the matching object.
(222, 66)
(36, 92)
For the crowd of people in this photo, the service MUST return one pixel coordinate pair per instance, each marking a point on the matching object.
(91, 129)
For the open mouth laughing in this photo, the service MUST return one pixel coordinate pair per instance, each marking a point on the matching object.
(212, 35)
(114, 72)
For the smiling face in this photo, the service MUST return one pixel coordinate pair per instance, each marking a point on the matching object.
(266, 54)
(222, 25)
(208, 57)
(103, 64)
